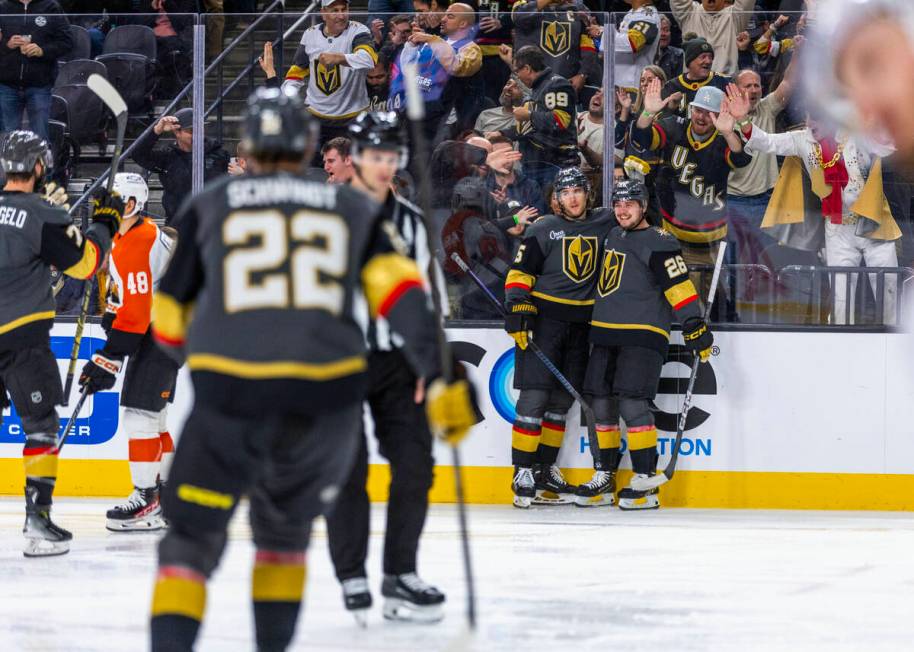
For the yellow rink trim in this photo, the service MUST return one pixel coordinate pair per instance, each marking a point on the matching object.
(491, 485)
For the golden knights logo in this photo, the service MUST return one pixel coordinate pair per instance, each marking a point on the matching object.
(328, 80)
(611, 273)
(555, 37)
(579, 257)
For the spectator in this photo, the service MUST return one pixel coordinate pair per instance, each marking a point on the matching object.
(33, 35)
(859, 227)
(636, 43)
(340, 52)
(174, 163)
(697, 155)
(749, 188)
(559, 31)
(506, 184)
(173, 24)
(379, 10)
(501, 117)
(378, 81)
(494, 31)
(590, 142)
(699, 59)
(397, 36)
(428, 16)
(215, 27)
(451, 161)
(545, 127)
(337, 155)
(447, 67)
(718, 23)
(266, 64)
(669, 58)
(239, 164)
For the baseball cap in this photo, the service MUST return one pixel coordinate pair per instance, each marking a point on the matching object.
(185, 118)
(327, 3)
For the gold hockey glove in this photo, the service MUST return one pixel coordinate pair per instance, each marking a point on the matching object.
(451, 409)
(698, 337)
(519, 322)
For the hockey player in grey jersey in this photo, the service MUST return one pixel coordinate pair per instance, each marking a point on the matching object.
(642, 282)
(549, 296)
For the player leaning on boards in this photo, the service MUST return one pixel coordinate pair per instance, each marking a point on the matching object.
(549, 297)
(139, 256)
(643, 280)
(395, 398)
(34, 236)
(261, 298)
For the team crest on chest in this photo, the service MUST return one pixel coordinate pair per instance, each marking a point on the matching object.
(611, 272)
(555, 37)
(328, 79)
(579, 257)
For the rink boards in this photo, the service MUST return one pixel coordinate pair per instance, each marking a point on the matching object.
(780, 420)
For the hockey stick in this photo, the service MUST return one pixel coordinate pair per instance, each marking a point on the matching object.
(113, 100)
(415, 110)
(72, 420)
(646, 484)
(589, 417)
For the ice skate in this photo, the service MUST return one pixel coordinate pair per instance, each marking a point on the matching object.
(524, 487)
(551, 488)
(43, 538)
(357, 599)
(407, 598)
(598, 491)
(141, 512)
(631, 499)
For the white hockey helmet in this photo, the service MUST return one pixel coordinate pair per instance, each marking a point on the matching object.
(708, 98)
(132, 185)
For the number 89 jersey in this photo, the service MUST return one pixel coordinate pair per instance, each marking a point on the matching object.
(138, 261)
(643, 280)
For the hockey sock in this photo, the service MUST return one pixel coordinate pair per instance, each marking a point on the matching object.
(277, 587)
(609, 439)
(178, 602)
(551, 437)
(642, 446)
(145, 446)
(525, 439)
(168, 454)
(40, 458)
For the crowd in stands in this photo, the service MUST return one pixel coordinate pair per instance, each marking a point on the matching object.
(705, 95)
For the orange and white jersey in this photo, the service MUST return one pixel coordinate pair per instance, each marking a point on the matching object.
(139, 258)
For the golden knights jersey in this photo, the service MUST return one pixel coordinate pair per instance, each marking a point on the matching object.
(637, 43)
(692, 181)
(641, 282)
(560, 33)
(335, 92)
(263, 290)
(556, 265)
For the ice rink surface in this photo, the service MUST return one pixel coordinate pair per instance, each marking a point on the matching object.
(551, 578)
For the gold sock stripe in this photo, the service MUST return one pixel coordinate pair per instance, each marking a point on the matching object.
(179, 592)
(278, 582)
(609, 437)
(552, 435)
(642, 437)
(525, 440)
(40, 462)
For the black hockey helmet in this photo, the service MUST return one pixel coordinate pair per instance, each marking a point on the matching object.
(571, 178)
(21, 149)
(379, 130)
(277, 124)
(629, 189)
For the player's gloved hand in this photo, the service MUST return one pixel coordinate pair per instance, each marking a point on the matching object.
(108, 321)
(56, 196)
(451, 407)
(698, 337)
(519, 322)
(100, 372)
(108, 209)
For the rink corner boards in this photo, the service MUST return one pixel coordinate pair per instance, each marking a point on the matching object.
(491, 485)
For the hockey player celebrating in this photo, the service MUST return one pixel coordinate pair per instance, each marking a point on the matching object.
(642, 282)
(139, 255)
(261, 298)
(549, 296)
(395, 397)
(34, 236)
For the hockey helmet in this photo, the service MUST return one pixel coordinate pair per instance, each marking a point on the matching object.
(131, 185)
(277, 124)
(379, 130)
(21, 149)
(629, 189)
(571, 178)
(708, 98)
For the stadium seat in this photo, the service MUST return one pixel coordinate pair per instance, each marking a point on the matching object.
(81, 110)
(77, 71)
(129, 54)
(82, 45)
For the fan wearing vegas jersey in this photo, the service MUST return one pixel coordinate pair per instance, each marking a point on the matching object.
(636, 43)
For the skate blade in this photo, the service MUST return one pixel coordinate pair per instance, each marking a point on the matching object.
(146, 524)
(45, 548)
(361, 617)
(523, 502)
(407, 612)
(635, 504)
(551, 498)
(595, 501)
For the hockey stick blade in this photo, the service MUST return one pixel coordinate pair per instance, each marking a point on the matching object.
(646, 484)
(107, 93)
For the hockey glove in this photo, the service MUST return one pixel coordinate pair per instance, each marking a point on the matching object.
(100, 372)
(56, 196)
(108, 321)
(698, 337)
(107, 209)
(451, 408)
(519, 322)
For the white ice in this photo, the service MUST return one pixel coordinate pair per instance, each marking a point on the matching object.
(553, 578)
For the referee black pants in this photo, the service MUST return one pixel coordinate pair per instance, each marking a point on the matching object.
(405, 441)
